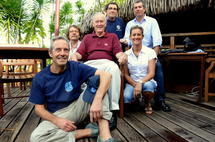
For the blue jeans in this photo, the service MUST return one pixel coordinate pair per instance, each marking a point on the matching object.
(149, 86)
(159, 78)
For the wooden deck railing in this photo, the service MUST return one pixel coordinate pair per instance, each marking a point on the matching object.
(205, 39)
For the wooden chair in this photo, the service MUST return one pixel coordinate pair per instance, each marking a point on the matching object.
(121, 99)
(209, 74)
(13, 71)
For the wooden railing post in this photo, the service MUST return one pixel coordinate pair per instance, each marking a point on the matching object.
(172, 42)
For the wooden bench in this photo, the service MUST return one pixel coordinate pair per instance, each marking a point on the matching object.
(12, 71)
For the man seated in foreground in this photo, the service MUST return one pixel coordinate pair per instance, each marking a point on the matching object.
(99, 50)
(56, 93)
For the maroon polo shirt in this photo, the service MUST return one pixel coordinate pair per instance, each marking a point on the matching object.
(93, 47)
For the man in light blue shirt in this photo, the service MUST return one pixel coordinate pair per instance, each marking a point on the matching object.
(152, 35)
(152, 39)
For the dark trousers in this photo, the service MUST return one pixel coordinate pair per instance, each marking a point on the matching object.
(159, 78)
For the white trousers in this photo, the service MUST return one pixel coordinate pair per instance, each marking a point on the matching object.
(112, 68)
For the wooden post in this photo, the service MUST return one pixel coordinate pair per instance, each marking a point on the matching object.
(57, 17)
(1, 90)
(172, 42)
(121, 100)
(1, 100)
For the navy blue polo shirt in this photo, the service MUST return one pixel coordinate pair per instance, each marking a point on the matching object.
(117, 27)
(57, 91)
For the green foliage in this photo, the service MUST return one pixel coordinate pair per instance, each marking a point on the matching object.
(66, 12)
(22, 21)
(80, 10)
(11, 11)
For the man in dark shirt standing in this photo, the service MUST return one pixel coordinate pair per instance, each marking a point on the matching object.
(114, 24)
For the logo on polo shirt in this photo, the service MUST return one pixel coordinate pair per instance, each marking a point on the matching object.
(93, 90)
(68, 86)
(118, 28)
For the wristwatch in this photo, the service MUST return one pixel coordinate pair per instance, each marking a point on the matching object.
(140, 81)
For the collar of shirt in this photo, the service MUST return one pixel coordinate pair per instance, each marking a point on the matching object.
(143, 20)
(94, 35)
(108, 20)
(131, 53)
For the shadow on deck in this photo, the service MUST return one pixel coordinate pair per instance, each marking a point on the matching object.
(186, 122)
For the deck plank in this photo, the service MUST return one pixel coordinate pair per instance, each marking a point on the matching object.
(16, 124)
(13, 102)
(187, 122)
(118, 136)
(14, 92)
(174, 127)
(201, 121)
(162, 131)
(188, 126)
(128, 132)
(195, 109)
(143, 129)
(10, 116)
(29, 126)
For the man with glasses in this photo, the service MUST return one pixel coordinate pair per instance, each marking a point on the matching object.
(114, 24)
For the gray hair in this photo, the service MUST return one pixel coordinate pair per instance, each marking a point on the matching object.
(57, 38)
(99, 14)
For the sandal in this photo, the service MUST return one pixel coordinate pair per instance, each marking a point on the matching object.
(148, 109)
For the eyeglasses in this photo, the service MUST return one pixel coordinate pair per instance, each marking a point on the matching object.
(111, 8)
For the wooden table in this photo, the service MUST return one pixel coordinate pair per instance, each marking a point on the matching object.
(199, 57)
(22, 53)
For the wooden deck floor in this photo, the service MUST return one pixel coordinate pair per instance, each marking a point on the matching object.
(186, 122)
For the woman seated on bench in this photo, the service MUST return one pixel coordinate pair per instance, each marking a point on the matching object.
(140, 70)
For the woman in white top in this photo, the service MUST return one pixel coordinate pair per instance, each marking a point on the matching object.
(140, 70)
(74, 34)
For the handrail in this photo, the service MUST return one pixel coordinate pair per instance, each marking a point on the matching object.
(188, 34)
(172, 36)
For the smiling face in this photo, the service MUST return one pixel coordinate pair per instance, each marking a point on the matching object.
(112, 11)
(59, 53)
(136, 36)
(139, 9)
(99, 23)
